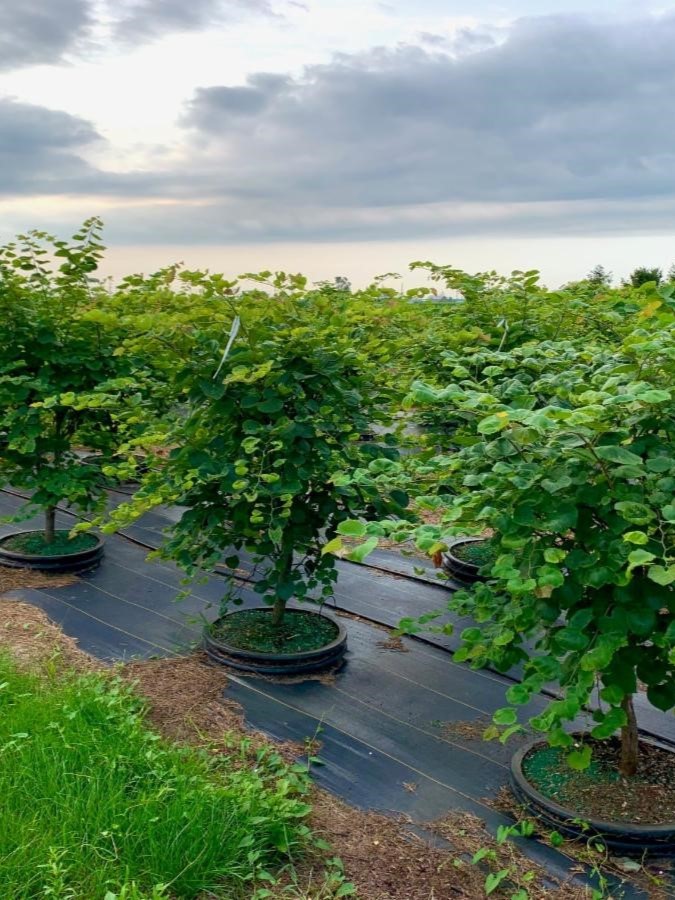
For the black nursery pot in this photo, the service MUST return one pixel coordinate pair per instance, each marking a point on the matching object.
(626, 837)
(461, 570)
(81, 561)
(294, 663)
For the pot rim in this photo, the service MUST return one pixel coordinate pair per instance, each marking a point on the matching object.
(666, 832)
(20, 554)
(299, 655)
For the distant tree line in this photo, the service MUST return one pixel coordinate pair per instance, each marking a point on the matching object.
(639, 276)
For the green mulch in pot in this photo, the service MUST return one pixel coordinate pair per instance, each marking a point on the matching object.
(600, 791)
(34, 543)
(252, 629)
(478, 553)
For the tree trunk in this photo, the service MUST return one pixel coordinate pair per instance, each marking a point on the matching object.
(629, 739)
(279, 608)
(50, 524)
(278, 611)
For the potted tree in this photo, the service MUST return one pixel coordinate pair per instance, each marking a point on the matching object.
(576, 487)
(60, 384)
(467, 557)
(260, 462)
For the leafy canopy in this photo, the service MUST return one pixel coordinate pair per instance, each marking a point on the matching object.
(61, 380)
(270, 433)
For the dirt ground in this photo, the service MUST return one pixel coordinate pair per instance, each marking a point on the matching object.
(187, 702)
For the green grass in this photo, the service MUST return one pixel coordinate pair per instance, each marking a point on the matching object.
(252, 629)
(93, 803)
(33, 542)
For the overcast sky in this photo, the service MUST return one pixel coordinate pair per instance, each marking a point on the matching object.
(344, 136)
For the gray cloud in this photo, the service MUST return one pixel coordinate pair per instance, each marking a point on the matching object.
(41, 32)
(142, 20)
(558, 124)
(233, 222)
(34, 32)
(560, 109)
(39, 149)
(260, 92)
(43, 152)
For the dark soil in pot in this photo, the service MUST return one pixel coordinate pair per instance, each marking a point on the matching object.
(629, 813)
(252, 629)
(478, 553)
(33, 543)
(466, 556)
(306, 641)
(30, 550)
(601, 792)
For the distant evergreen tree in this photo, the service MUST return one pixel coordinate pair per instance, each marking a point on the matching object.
(342, 284)
(599, 276)
(642, 275)
(671, 273)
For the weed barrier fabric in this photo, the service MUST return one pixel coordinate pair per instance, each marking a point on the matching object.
(360, 590)
(400, 759)
(369, 777)
(369, 592)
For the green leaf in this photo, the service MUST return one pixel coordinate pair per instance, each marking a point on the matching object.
(504, 638)
(423, 393)
(400, 497)
(612, 693)
(494, 879)
(661, 575)
(616, 454)
(554, 555)
(654, 396)
(612, 720)
(351, 528)
(634, 512)
(580, 759)
(559, 484)
(493, 424)
(505, 716)
(636, 537)
(471, 635)
(668, 512)
(519, 695)
(358, 554)
(597, 659)
(333, 546)
(284, 590)
(572, 639)
(562, 517)
(581, 619)
(550, 577)
(273, 405)
(660, 464)
(662, 696)
(212, 389)
(639, 558)
(641, 620)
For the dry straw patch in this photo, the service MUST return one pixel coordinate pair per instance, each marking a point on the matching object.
(34, 641)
